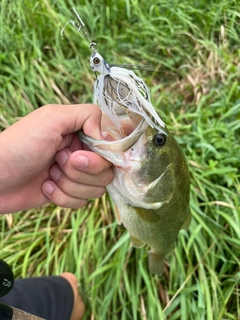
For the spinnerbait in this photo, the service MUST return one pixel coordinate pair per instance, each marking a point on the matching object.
(118, 90)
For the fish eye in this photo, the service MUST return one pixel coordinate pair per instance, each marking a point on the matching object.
(159, 139)
(96, 60)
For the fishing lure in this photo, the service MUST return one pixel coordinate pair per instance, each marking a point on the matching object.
(119, 90)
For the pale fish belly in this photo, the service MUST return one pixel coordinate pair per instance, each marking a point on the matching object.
(156, 228)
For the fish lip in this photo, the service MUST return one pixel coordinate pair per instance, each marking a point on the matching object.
(124, 153)
(126, 143)
(111, 132)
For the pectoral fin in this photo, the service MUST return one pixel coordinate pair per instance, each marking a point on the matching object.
(136, 242)
(163, 187)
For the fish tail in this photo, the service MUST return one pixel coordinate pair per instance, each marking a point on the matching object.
(155, 262)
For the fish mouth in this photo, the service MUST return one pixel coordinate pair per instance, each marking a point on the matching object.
(122, 136)
(126, 125)
(118, 137)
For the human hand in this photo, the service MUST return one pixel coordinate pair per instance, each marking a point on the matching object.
(42, 160)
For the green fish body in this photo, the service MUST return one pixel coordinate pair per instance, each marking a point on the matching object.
(150, 189)
(151, 181)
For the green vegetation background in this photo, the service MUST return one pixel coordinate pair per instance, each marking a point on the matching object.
(194, 52)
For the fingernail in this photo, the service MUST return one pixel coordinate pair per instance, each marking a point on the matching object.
(81, 162)
(55, 173)
(62, 157)
(48, 188)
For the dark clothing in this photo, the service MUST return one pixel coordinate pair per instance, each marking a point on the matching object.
(50, 298)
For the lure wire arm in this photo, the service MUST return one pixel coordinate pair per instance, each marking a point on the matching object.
(80, 27)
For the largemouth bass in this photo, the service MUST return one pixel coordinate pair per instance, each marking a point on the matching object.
(151, 180)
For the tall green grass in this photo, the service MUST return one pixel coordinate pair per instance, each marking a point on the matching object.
(194, 52)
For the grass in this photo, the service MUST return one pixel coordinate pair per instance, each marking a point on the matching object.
(193, 48)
